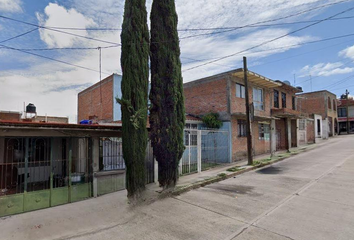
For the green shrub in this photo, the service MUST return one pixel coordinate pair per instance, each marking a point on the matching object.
(211, 120)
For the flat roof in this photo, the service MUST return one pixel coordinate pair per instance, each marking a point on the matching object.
(62, 126)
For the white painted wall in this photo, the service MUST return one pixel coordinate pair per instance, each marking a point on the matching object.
(318, 117)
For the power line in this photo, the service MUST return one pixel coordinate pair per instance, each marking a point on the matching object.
(56, 30)
(52, 59)
(269, 41)
(254, 25)
(67, 48)
(20, 35)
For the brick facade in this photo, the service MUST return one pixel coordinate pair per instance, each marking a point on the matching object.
(10, 116)
(323, 103)
(89, 101)
(203, 97)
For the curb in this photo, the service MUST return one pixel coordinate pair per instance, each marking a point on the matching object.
(215, 179)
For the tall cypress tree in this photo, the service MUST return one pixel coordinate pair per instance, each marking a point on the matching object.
(167, 115)
(134, 62)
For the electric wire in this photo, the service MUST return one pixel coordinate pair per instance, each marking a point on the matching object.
(269, 41)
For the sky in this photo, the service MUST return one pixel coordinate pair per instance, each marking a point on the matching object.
(309, 43)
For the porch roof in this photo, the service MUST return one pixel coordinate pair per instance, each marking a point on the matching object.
(16, 128)
(286, 113)
(257, 79)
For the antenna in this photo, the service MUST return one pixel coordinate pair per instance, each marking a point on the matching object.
(294, 80)
(311, 82)
(100, 67)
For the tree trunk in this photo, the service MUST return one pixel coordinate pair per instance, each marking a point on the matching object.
(167, 115)
(134, 62)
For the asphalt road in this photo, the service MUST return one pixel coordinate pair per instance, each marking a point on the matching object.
(307, 196)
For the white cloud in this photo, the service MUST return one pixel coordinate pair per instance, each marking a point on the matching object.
(325, 69)
(53, 87)
(10, 6)
(56, 15)
(348, 52)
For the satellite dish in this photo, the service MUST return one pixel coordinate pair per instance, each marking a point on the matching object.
(287, 83)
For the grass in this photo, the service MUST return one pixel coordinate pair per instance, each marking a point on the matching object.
(233, 169)
(222, 175)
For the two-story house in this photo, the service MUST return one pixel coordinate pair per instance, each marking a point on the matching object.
(324, 104)
(346, 114)
(273, 119)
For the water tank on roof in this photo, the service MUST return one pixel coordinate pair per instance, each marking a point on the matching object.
(31, 108)
(287, 83)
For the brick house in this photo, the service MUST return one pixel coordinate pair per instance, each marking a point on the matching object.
(98, 101)
(225, 94)
(10, 116)
(288, 117)
(343, 113)
(324, 104)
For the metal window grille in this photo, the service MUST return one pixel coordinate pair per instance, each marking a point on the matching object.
(241, 128)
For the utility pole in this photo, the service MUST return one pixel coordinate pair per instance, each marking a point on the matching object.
(347, 97)
(248, 121)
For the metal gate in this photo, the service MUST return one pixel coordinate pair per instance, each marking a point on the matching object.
(41, 172)
(188, 163)
(215, 148)
(204, 149)
(111, 158)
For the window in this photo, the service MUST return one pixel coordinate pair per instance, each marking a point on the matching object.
(241, 128)
(276, 99)
(342, 112)
(240, 91)
(263, 132)
(283, 100)
(191, 126)
(192, 136)
(258, 99)
(329, 103)
(111, 154)
(302, 124)
(294, 103)
(334, 105)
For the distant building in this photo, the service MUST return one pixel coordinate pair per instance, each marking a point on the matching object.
(323, 103)
(98, 102)
(10, 116)
(50, 119)
(343, 104)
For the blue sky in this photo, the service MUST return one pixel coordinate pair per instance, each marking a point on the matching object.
(53, 86)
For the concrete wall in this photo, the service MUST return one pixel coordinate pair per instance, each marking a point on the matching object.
(318, 132)
(117, 93)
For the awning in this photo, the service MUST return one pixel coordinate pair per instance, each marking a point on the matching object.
(257, 79)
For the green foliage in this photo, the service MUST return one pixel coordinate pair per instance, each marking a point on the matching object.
(222, 175)
(211, 120)
(134, 61)
(256, 163)
(233, 169)
(167, 114)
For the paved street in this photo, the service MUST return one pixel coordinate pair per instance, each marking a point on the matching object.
(307, 196)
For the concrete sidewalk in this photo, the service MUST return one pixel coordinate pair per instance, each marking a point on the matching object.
(110, 217)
